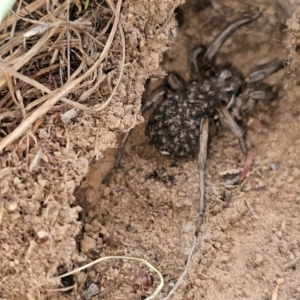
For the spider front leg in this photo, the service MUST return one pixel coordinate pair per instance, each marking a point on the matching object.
(195, 69)
(222, 38)
(250, 96)
(202, 157)
(200, 59)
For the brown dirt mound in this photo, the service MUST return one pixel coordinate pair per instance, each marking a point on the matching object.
(70, 81)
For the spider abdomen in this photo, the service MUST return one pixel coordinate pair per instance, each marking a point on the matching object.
(174, 126)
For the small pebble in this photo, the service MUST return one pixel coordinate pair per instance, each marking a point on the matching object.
(273, 190)
(260, 185)
(273, 167)
(259, 258)
(106, 192)
(12, 206)
(82, 258)
(91, 291)
(42, 235)
(198, 282)
(226, 247)
(280, 281)
(217, 245)
(87, 243)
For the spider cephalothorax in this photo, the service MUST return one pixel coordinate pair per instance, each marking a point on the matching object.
(179, 125)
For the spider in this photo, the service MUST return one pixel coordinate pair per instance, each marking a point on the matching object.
(179, 125)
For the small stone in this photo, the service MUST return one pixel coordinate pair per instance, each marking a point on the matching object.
(226, 247)
(12, 206)
(217, 245)
(260, 185)
(5, 247)
(198, 282)
(291, 256)
(91, 291)
(42, 235)
(217, 209)
(82, 258)
(104, 231)
(259, 258)
(273, 190)
(87, 243)
(106, 191)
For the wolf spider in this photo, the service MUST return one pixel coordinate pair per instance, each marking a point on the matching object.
(179, 125)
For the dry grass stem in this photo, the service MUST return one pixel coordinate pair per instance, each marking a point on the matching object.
(72, 84)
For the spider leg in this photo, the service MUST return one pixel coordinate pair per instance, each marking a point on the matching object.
(263, 73)
(174, 81)
(202, 157)
(248, 102)
(225, 115)
(221, 39)
(193, 62)
(249, 95)
(153, 98)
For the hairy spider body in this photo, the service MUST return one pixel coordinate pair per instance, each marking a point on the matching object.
(174, 126)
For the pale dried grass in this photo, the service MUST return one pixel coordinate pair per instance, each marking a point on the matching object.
(50, 69)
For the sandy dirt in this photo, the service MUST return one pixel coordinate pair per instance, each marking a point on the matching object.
(247, 248)
(39, 172)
